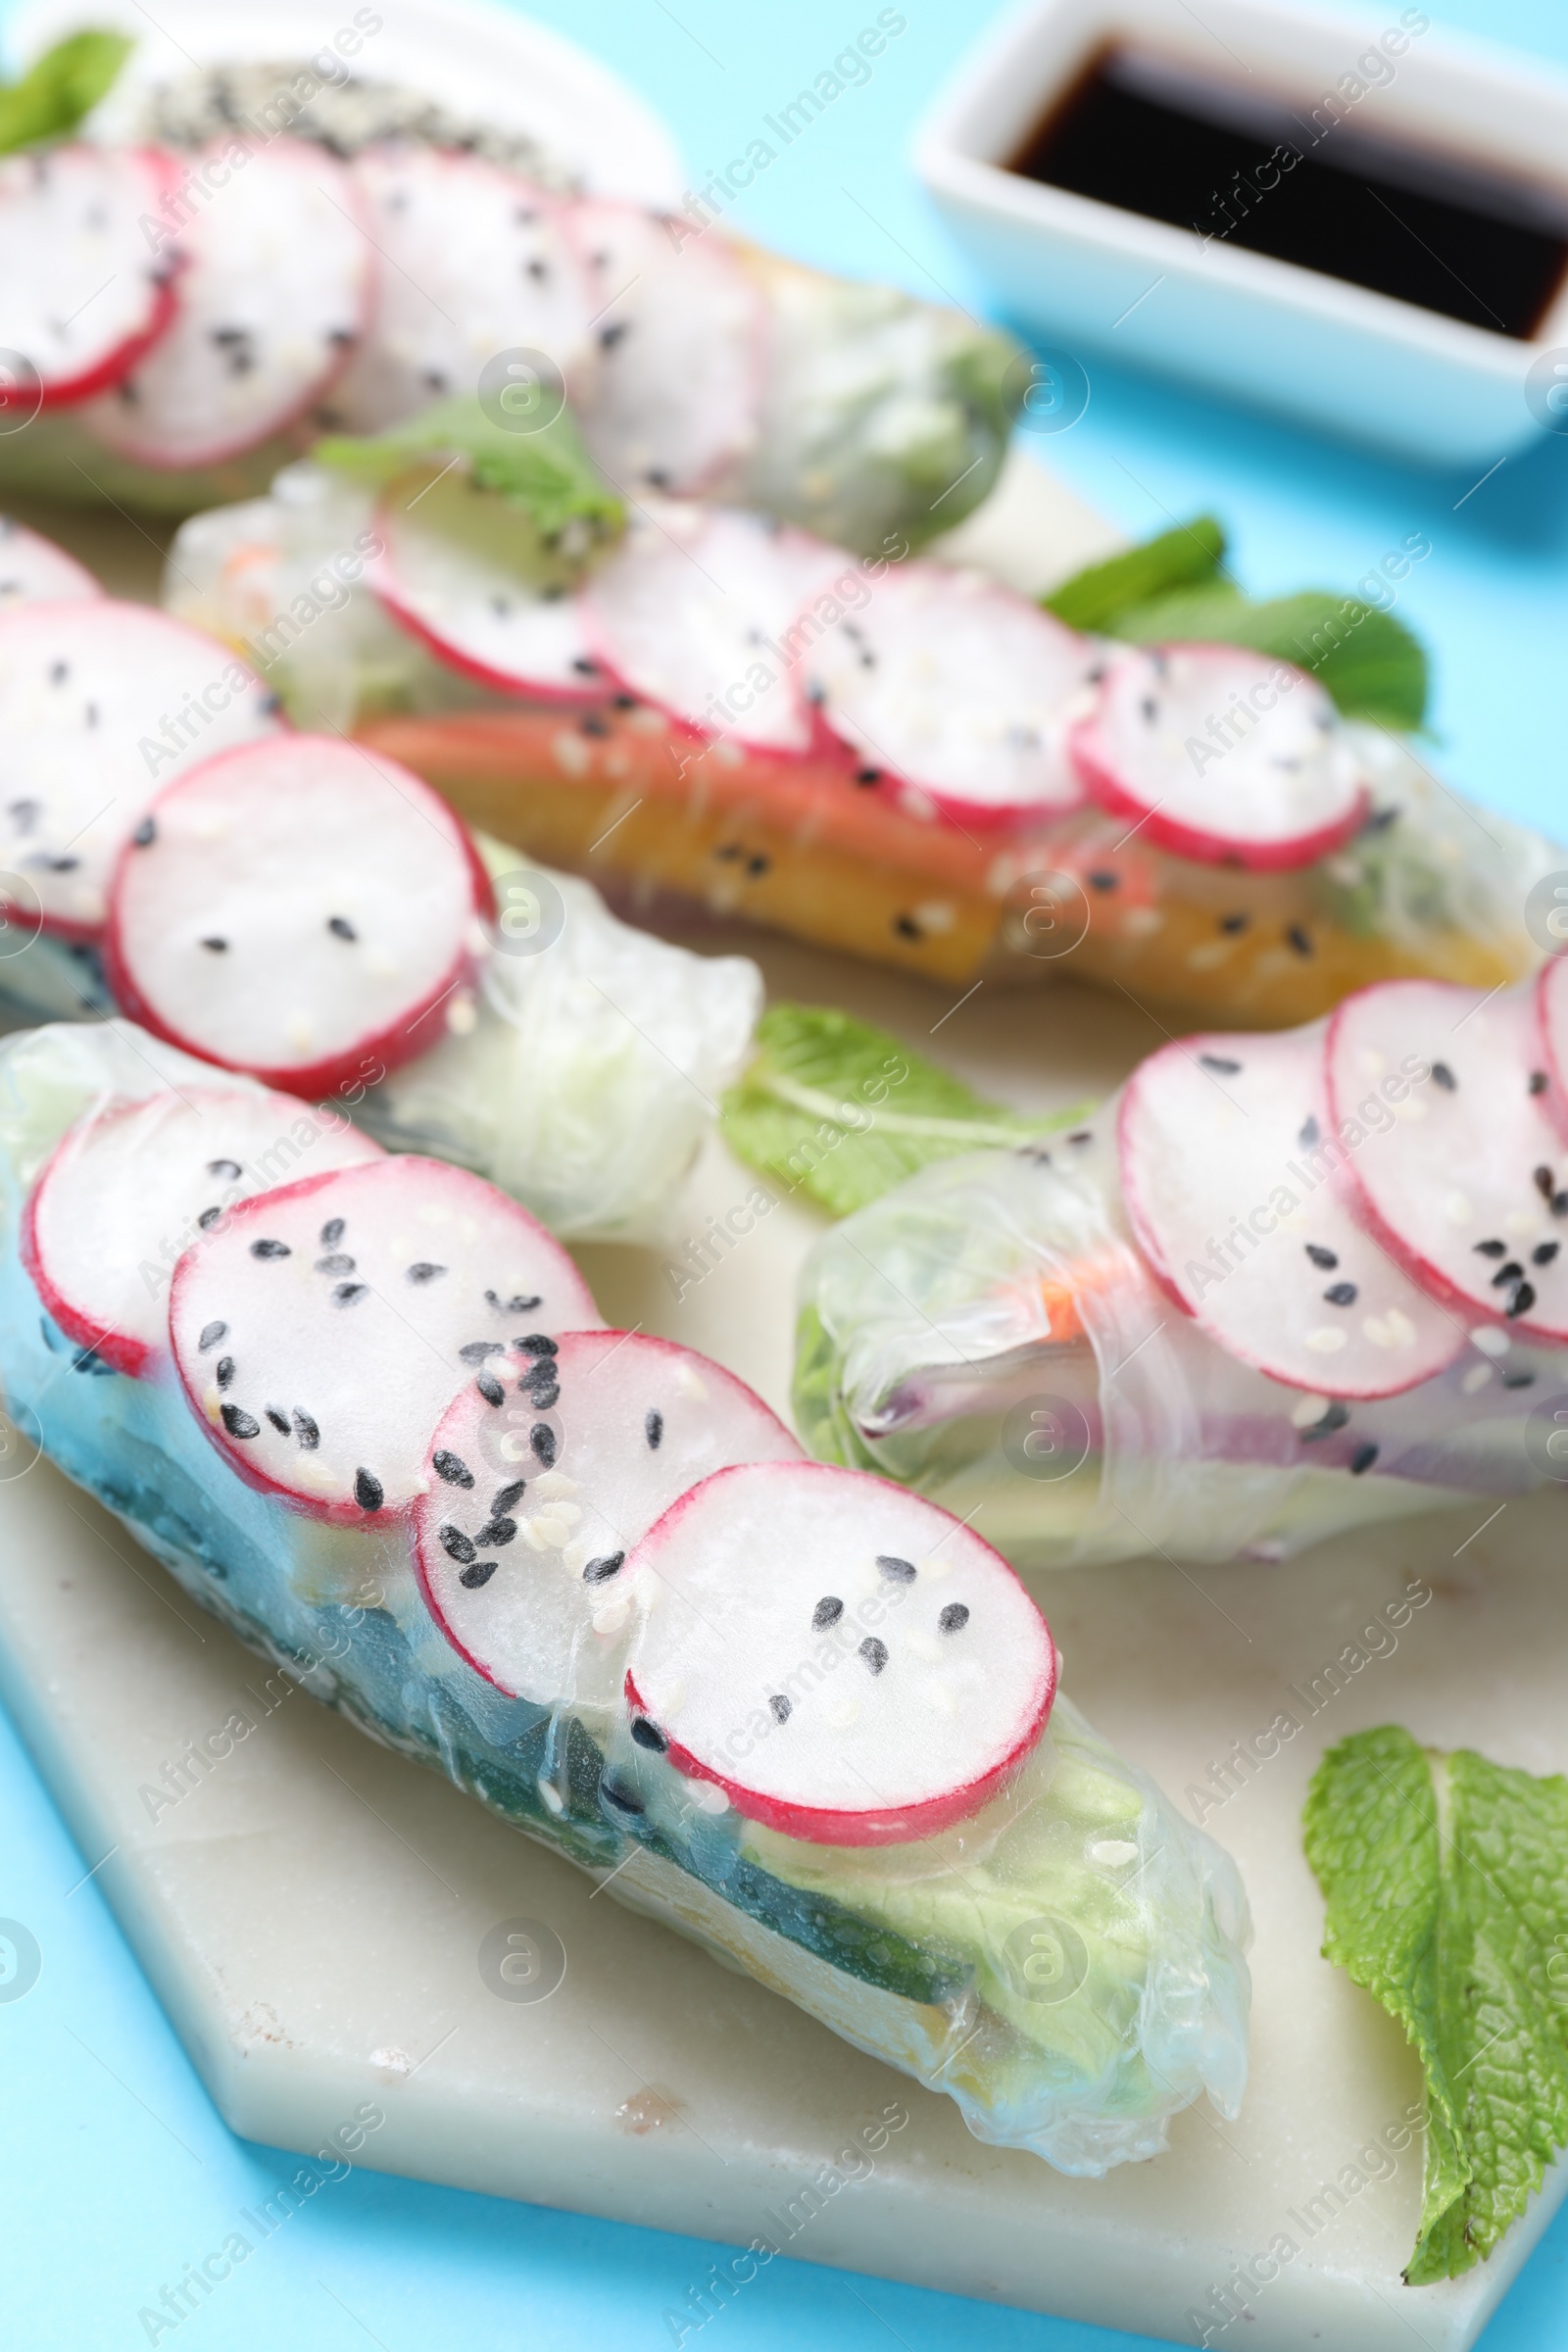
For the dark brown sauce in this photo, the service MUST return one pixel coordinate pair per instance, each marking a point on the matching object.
(1306, 182)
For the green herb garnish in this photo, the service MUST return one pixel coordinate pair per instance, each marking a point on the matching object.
(60, 87)
(1447, 1884)
(1173, 587)
(841, 1111)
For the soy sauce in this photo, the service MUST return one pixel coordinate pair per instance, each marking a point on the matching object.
(1310, 181)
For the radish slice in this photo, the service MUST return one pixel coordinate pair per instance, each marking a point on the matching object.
(83, 291)
(1224, 755)
(679, 325)
(1551, 1007)
(1469, 1181)
(530, 1511)
(324, 1329)
(690, 612)
(445, 573)
(100, 702)
(130, 1188)
(34, 571)
(846, 1662)
(303, 909)
(273, 297)
(960, 690)
(473, 261)
(1229, 1172)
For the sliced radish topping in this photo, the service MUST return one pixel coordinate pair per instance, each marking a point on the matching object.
(845, 1661)
(322, 1331)
(1469, 1179)
(83, 291)
(273, 297)
(530, 1511)
(689, 615)
(34, 571)
(473, 261)
(301, 909)
(1224, 755)
(681, 327)
(1551, 1007)
(99, 704)
(1230, 1174)
(960, 690)
(130, 1188)
(447, 574)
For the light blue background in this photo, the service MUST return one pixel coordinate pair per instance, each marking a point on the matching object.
(114, 2170)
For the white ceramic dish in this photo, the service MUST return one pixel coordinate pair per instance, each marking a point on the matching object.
(480, 61)
(1097, 279)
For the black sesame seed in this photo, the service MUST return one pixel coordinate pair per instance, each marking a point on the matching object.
(340, 927)
(1101, 880)
(490, 1389)
(59, 672)
(475, 1351)
(457, 1547)
(874, 1652)
(209, 1218)
(1083, 1135)
(1443, 1076)
(827, 1612)
(307, 1430)
(593, 724)
(368, 1491)
(224, 1372)
(1537, 1082)
(1328, 1260)
(1339, 1294)
(1335, 1418)
(896, 1571)
(479, 1574)
(1518, 1380)
(271, 1249)
(622, 1798)
(505, 1498)
(331, 1233)
(238, 1422)
(453, 1468)
(215, 947)
(624, 702)
(423, 1271)
(1523, 1299)
(1297, 937)
(953, 1618)
(584, 666)
(1221, 1063)
(653, 1428)
(648, 1735)
(1234, 923)
(1513, 1271)
(1544, 1184)
(337, 1261)
(211, 1333)
(534, 1342)
(1311, 1134)
(544, 1397)
(543, 1373)
(542, 1438)
(1559, 1203)
(759, 863)
(228, 1170)
(1543, 1252)
(598, 1572)
(907, 927)
(780, 1707)
(494, 1534)
(868, 775)
(145, 835)
(1149, 708)
(349, 1294)
(1492, 1248)
(280, 1421)
(1362, 1459)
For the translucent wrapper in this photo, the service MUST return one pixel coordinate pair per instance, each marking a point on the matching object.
(800, 845)
(925, 1351)
(1066, 1963)
(579, 1075)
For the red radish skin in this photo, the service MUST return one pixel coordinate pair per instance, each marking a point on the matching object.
(161, 175)
(1092, 752)
(893, 1822)
(451, 656)
(125, 1351)
(565, 1299)
(371, 1053)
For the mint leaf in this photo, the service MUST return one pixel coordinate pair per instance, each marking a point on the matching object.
(1186, 557)
(60, 87)
(839, 1111)
(553, 494)
(1445, 1880)
(1365, 658)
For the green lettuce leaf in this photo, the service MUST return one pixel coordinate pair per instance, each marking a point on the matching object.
(841, 1111)
(557, 500)
(1445, 1880)
(60, 87)
(1172, 587)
